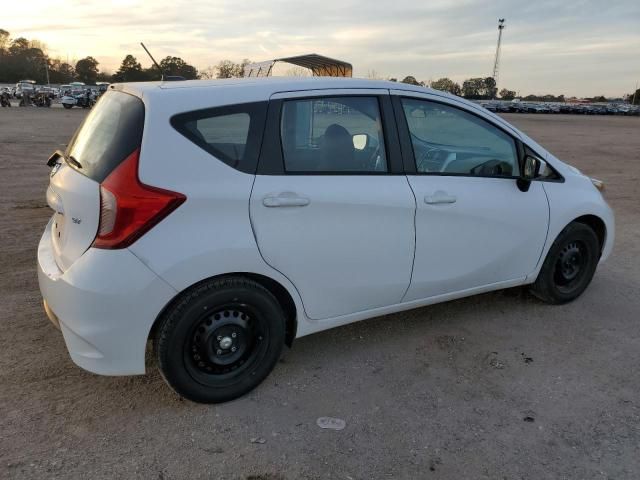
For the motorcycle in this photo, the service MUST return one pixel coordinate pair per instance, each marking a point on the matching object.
(42, 99)
(5, 99)
(83, 100)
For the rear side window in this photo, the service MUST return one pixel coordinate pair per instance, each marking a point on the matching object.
(332, 135)
(109, 134)
(232, 133)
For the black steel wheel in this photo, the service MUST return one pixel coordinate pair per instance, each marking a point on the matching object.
(569, 266)
(220, 339)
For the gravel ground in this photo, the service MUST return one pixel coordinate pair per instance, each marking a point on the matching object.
(497, 386)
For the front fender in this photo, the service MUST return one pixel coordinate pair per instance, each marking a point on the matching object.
(572, 199)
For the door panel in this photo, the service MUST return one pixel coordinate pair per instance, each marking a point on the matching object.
(345, 242)
(474, 231)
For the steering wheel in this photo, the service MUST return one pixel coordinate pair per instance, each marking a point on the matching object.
(493, 167)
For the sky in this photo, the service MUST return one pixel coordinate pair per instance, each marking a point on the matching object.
(571, 47)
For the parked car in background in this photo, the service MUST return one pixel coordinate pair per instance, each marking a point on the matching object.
(25, 86)
(223, 219)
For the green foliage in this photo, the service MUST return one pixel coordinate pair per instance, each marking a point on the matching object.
(61, 72)
(507, 94)
(131, 71)
(229, 69)
(479, 88)
(175, 66)
(23, 59)
(446, 85)
(634, 98)
(87, 70)
(412, 81)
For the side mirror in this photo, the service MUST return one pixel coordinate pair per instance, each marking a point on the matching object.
(360, 141)
(531, 169)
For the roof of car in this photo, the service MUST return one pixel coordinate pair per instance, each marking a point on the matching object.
(261, 88)
(274, 84)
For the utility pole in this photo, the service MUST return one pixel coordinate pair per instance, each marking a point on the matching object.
(496, 63)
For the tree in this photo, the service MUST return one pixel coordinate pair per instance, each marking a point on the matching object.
(507, 94)
(104, 76)
(446, 85)
(479, 88)
(4, 39)
(373, 75)
(60, 72)
(473, 88)
(490, 89)
(634, 98)
(87, 70)
(175, 66)
(130, 71)
(229, 69)
(21, 61)
(412, 81)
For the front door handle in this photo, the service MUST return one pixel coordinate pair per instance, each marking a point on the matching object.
(439, 197)
(285, 199)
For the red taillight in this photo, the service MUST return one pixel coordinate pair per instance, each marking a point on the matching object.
(129, 208)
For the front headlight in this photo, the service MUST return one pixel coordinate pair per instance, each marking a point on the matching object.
(599, 184)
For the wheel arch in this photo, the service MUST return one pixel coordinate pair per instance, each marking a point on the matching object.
(596, 224)
(282, 295)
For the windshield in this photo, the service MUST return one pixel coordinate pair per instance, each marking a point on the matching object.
(109, 134)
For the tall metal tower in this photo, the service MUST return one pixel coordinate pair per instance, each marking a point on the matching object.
(496, 63)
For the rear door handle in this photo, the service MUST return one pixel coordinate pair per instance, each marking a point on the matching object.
(439, 197)
(285, 199)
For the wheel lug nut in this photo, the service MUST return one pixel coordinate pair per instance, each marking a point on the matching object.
(233, 349)
(219, 337)
(219, 352)
(233, 335)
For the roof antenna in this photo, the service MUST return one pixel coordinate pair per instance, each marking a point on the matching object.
(154, 62)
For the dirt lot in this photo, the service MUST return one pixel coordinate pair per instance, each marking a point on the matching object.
(495, 386)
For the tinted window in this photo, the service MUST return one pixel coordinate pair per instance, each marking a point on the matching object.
(109, 134)
(449, 140)
(340, 134)
(232, 133)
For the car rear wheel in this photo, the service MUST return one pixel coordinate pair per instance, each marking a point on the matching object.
(569, 266)
(220, 339)
(67, 105)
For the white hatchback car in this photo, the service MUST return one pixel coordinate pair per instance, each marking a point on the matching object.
(223, 219)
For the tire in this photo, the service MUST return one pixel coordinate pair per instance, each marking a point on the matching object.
(67, 106)
(569, 266)
(220, 339)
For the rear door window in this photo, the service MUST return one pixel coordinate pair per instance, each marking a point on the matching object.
(110, 133)
(232, 134)
(333, 135)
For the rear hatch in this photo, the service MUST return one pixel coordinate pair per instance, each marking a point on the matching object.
(111, 133)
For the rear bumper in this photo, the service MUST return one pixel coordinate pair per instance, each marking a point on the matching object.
(105, 304)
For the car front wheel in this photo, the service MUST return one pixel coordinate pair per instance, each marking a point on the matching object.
(220, 339)
(569, 266)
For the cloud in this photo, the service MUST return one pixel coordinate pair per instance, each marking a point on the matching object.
(572, 47)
